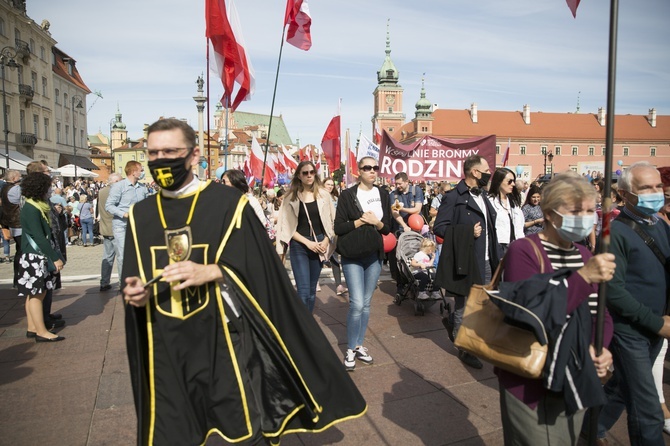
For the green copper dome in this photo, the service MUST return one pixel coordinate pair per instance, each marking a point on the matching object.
(423, 105)
(387, 74)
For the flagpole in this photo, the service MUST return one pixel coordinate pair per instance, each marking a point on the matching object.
(607, 199)
(208, 109)
(272, 108)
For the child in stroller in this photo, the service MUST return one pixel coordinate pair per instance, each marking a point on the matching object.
(424, 270)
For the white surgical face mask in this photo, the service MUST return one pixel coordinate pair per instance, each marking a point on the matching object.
(575, 227)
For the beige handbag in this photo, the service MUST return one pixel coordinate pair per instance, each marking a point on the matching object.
(485, 334)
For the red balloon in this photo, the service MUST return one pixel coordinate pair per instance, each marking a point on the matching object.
(415, 222)
(439, 240)
(389, 242)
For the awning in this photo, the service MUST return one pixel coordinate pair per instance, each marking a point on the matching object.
(17, 161)
(80, 161)
(68, 171)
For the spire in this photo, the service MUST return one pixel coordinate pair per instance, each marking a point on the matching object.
(423, 105)
(118, 125)
(578, 94)
(388, 74)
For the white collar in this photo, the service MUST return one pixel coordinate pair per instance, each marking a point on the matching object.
(187, 189)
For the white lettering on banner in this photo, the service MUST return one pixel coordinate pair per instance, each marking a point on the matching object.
(437, 169)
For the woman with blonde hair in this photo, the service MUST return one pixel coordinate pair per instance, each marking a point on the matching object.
(531, 414)
(305, 228)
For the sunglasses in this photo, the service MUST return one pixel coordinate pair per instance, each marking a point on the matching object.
(369, 168)
(304, 173)
(510, 181)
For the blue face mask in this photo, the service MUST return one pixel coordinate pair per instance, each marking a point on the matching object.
(141, 176)
(649, 204)
(575, 227)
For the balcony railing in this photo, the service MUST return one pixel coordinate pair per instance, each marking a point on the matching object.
(27, 139)
(22, 48)
(26, 92)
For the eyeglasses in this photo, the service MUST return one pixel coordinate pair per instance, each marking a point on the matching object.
(510, 181)
(304, 173)
(168, 153)
(369, 168)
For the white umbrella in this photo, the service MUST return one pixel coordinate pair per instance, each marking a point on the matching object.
(68, 171)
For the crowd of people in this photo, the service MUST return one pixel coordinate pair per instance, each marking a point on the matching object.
(173, 261)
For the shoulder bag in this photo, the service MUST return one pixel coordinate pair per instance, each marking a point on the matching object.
(485, 334)
(322, 257)
(360, 242)
(51, 266)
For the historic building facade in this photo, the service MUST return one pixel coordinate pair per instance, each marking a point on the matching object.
(539, 142)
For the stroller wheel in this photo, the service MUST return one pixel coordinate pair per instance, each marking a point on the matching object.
(397, 299)
(441, 308)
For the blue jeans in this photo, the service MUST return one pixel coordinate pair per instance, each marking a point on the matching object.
(108, 255)
(306, 267)
(119, 242)
(86, 228)
(361, 276)
(632, 387)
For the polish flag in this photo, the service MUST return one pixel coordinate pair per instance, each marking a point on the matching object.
(280, 161)
(317, 160)
(299, 22)
(247, 171)
(505, 158)
(256, 162)
(274, 165)
(573, 4)
(232, 63)
(377, 137)
(330, 143)
(353, 162)
(290, 162)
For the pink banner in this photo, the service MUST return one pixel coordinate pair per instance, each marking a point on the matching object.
(431, 158)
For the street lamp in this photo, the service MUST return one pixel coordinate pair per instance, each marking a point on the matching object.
(551, 158)
(7, 55)
(111, 149)
(78, 99)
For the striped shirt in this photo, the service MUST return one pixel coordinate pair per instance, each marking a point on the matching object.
(570, 259)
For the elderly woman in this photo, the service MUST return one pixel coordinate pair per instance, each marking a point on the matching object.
(40, 260)
(530, 413)
(305, 226)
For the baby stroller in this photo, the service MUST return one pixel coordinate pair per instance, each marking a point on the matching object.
(409, 244)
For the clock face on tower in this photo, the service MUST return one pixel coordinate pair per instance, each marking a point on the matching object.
(390, 99)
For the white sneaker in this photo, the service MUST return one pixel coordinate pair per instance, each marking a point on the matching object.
(666, 426)
(422, 295)
(363, 355)
(435, 295)
(350, 360)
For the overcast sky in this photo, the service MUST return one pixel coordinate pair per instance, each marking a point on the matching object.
(145, 56)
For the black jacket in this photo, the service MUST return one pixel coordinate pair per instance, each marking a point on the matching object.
(457, 270)
(459, 208)
(347, 212)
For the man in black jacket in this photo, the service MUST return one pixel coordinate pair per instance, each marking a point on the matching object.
(465, 207)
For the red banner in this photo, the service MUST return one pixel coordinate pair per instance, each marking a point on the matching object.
(431, 158)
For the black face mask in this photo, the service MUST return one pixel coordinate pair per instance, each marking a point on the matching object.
(484, 180)
(169, 173)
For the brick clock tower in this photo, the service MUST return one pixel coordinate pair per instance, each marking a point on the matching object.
(388, 95)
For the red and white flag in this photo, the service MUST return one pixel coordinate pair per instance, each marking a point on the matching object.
(232, 63)
(247, 170)
(299, 22)
(377, 137)
(573, 4)
(505, 158)
(330, 143)
(274, 165)
(353, 163)
(256, 162)
(290, 162)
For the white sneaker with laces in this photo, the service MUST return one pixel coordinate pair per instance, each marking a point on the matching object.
(363, 355)
(350, 360)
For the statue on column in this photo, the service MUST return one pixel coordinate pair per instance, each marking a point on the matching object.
(200, 83)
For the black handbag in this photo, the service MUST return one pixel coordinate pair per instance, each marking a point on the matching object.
(361, 242)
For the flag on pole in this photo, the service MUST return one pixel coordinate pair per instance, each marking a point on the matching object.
(573, 4)
(317, 161)
(299, 22)
(290, 162)
(505, 157)
(353, 162)
(377, 137)
(256, 162)
(367, 148)
(232, 63)
(247, 171)
(330, 143)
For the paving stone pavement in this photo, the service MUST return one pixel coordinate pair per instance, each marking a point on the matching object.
(77, 392)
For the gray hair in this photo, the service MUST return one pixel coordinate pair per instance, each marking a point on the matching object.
(113, 178)
(12, 175)
(625, 180)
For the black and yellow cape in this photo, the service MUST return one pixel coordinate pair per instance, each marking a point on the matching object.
(194, 374)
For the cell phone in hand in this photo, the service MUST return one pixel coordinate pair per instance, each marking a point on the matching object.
(154, 280)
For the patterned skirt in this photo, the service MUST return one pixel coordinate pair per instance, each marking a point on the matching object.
(34, 277)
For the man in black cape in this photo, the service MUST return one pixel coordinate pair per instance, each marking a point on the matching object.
(220, 344)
